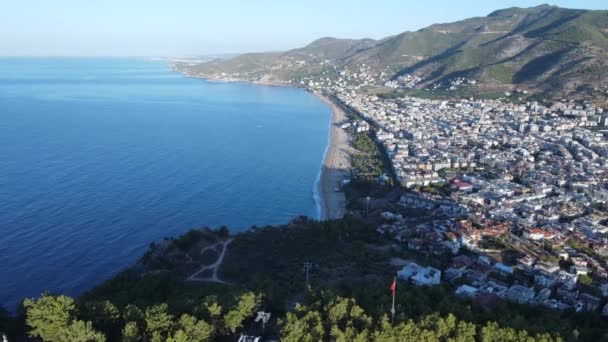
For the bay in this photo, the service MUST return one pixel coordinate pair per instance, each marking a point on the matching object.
(101, 156)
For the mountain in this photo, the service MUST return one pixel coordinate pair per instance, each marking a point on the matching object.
(333, 48)
(546, 50)
(281, 66)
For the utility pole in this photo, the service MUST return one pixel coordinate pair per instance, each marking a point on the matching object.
(307, 266)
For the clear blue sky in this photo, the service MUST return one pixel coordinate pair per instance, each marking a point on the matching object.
(188, 27)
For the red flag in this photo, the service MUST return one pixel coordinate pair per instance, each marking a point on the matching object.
(393, 290)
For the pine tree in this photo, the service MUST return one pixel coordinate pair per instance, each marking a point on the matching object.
(80, 331)
(132, 313)
(158, 321)
(303, 325)
(103, 314)
(193, 329)
(49, 316)
(246, 306)
(130, 332)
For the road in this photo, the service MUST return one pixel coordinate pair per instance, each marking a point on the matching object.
(215, 266)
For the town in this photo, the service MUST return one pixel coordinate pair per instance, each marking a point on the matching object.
(514, 190)
(522, 187)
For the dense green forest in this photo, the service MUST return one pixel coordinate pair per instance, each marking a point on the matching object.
(327, 317)
(347, 299)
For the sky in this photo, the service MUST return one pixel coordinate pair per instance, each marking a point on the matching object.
(200, 27)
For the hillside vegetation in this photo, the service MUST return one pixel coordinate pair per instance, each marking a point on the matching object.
(348, 297)
(546, 50)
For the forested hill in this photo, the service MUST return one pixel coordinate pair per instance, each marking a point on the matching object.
(167, 296)
(546, 50)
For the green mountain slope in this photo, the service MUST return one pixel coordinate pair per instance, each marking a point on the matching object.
(546, 49)
(333, 48)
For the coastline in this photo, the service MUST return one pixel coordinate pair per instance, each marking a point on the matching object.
(335, 166)
(264, 82)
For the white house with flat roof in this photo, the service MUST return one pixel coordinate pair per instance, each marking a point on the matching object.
(419, 275)
(467, 291)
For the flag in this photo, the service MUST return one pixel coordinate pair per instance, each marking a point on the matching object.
(393, 291)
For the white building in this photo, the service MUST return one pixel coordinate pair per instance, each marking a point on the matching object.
(466, 291)
(428, 276)
(419, 275)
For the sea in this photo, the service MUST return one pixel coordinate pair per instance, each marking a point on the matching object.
(101, 156)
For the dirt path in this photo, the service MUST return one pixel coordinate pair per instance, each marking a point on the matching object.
(213, 267)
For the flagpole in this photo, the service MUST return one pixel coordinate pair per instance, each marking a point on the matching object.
(393, 308)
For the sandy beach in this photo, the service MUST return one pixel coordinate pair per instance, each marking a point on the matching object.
(335, 167)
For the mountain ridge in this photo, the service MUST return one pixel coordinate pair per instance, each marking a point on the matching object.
(547, 50)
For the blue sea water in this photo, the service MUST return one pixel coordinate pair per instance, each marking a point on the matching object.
(99, 157)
